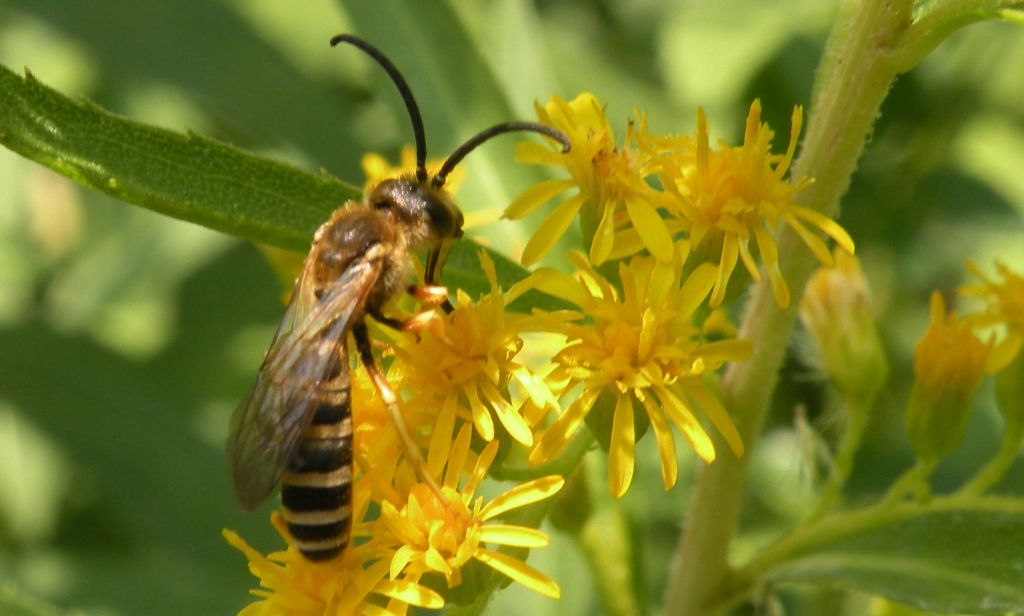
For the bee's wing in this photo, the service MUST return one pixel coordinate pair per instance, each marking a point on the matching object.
(266, 427)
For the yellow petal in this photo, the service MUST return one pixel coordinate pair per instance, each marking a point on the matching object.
(620, 452)
(651, 228)
(748, 261)
(697, 286)
(483, 464)
(457, 457)
(481, 414)
(828, 226)
(557, 436)
(626, 243)
(508, 416)
(559, 284)
(551, 230)
(604, 235)
(520, 572)
(818, 247)
(716, 413)
(403, 556)
(730, 252)
(535, 196)
(411, 593)
(770, 258)
(522, 495)
(434, 560)
(688, 424)
(441, 436)
(666, 442)
(516, 536)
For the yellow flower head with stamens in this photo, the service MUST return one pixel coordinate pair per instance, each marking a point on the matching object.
(729, 196)
(432, 537)
(642, 347)
(358, 583)
(1004, 306)
(611, 180)
(468, 365)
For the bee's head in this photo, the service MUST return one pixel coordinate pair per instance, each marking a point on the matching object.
(418, 201)
(426, 212)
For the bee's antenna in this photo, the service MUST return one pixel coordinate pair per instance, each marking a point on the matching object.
(508, 127)
(403, 88)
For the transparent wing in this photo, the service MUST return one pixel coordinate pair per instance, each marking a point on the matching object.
(266, 426)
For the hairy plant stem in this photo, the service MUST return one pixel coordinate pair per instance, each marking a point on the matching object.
(853, 78)
(858, 411)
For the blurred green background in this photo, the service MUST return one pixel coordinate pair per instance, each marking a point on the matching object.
(127, 338)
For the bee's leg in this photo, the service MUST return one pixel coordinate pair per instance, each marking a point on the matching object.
(427, 295)
(380, 382)
(432, 295)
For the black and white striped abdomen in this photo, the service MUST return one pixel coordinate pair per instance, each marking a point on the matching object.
(316, 487)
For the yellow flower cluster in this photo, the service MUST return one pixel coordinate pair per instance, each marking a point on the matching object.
(403, 532)
(715, 199)
(632, 336)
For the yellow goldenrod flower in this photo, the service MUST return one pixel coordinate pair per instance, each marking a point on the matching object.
(642, 348)
(949, 362)
(429, 536)
(731, 195)
(1004, 306)
(611, 180)
(357, 583)
(469, 367)
(836, 312)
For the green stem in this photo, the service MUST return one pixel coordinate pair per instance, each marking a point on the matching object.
(858, 413)
(914, 481)
(941, 20)
(853, 78)
(991, 473)
(605, 541)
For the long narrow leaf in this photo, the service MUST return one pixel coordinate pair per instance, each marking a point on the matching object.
(184, 176)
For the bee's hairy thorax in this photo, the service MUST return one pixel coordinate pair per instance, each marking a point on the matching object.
(356, 232)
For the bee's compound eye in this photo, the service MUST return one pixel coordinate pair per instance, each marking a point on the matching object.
(441, 218)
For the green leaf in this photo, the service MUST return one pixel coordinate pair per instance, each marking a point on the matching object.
(184, 176)
(963, 557)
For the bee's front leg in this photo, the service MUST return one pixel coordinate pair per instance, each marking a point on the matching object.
(429, 295)
(380, 383)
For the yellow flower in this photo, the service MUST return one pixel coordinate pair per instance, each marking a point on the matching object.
(949, 362)
(731, 195)
(430, 536)
(611, 180)
(468, 365)
(1004, 306)
(358, 583)
(642, 348)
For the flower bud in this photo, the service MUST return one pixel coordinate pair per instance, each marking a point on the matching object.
(836, 312)
(949, 362)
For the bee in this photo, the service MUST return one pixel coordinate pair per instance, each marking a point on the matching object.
(295, 426)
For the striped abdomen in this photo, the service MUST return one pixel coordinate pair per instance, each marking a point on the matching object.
(316, 488)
